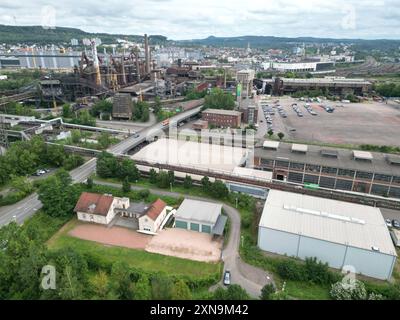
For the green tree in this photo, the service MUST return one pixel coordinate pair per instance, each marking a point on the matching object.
(72, 161)
(270, 132)
(218, 99)
(218, 189)
(188, 182)
(163, 180)
(104, 140)
(107, 165)
(161, 287)
(281, 135)
(21, 184)
(128, 169)
(205, 182)
(100, 285)
(122, 284)
(180, 291)
(66, 111)
(76, 136)
(267, 291)
(58, 199)
(89, 182)
(142, 288)
(126, 186)
(153, 176)
(234, 292)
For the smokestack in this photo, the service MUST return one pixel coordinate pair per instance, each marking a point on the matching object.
(96, 63)
(146, 54)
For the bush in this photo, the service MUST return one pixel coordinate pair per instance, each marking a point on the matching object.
(350, 289)
(290, 270)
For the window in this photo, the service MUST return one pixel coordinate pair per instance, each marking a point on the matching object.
(308, 178)
(344, 184)
(282, 164)
(295, 177)
(379, 190)
(364, 175)
(382, 177)
(394, 192)
(329, 170)
(297, 166)
(313, 168)
(346, 173)
(396, 180)
(325, 182)
(267, 162)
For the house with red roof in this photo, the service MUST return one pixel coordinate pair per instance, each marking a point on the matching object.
(108, 210)
(154, 216)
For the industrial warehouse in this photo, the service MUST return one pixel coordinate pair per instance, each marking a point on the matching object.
(346, 236)
(343, 169)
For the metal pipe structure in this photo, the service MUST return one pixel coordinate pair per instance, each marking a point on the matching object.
(146, 54)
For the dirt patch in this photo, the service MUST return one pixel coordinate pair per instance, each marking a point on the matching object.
(186, 244)
(114, 236)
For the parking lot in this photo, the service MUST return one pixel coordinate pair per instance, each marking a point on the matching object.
(351, 123)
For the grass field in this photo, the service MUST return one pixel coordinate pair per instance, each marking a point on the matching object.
(139, 259)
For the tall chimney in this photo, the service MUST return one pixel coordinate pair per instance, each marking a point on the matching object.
(146, 54)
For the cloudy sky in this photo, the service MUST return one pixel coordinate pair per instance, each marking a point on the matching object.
(190, 19)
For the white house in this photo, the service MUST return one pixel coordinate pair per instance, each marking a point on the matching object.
(154, 216)
(98, 208)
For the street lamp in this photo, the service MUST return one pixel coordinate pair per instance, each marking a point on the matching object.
(236, 203)
(170, 184)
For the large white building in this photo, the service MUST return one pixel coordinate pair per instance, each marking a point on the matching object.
(345, 235)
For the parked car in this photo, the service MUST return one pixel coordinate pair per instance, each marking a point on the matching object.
(227, 278)
(396, 223)
(389, 223)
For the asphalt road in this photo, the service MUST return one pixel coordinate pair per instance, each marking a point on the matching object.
(252, 279)
(27, 207)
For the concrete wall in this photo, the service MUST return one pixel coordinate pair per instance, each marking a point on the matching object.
(329, 252)
(92, 218)
(369, 263)
(277, 241)
(372, 264)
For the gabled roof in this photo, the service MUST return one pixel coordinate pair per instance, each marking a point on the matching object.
(94, 203)
(155, 209)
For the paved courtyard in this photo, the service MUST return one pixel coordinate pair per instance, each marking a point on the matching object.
(186, 244)
(114, 236)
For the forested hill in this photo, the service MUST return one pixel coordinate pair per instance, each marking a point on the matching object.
(59, 35)
(282, 42)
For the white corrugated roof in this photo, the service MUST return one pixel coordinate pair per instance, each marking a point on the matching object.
(271, 144)
(253, 173)
(200, 211)
(299, 147)
(365, 155)
(326, 219)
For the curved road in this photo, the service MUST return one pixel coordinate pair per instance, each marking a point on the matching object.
(250, 278)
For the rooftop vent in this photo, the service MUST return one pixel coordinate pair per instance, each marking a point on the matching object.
(362, 155)
(271, 145)
(394, 160)
(300, 148)
(329, 153)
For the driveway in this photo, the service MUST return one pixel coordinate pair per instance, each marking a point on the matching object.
(250, 278)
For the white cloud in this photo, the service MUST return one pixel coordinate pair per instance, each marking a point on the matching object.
(188, 19)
